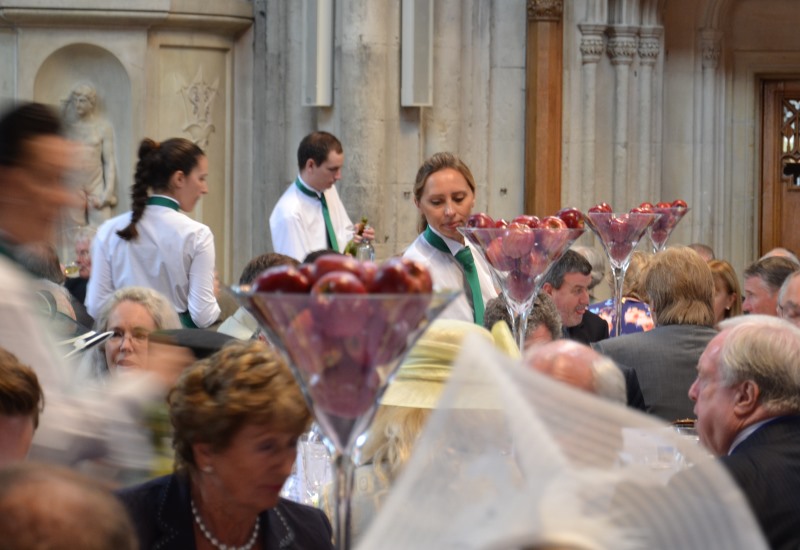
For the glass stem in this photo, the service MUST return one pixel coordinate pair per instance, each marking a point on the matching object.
(345, 473)
(619, 279)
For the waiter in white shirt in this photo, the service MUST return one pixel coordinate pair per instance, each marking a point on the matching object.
(310, 216)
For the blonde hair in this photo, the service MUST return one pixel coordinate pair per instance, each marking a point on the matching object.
(246, 382)
(391, 439)
(725, 274)
(680, 288)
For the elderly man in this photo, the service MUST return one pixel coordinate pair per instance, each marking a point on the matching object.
(789, 299)
(567, 283)
(747, 401)
(680, 291)
(762, 280)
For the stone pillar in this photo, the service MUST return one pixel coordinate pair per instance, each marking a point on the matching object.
(648, 187)
(706, 193)
(592, 47)
(543, 92)
(621, 50)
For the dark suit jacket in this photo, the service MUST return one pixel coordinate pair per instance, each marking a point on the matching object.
(162, 515)
(665, 361)
(592, 328)
(766, 466)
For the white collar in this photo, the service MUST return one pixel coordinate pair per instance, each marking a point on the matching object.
(453, 246)
(747, 432)
(307, 186)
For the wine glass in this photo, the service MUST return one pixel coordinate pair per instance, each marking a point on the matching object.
(343, 350)
(660, 231)
(619, 233)
(517, 257)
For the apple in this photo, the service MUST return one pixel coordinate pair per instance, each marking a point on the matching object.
(303, 342)
(644, 208)
(572, 217)
(602, 207)
(533, 264)
(662, 204)
(401, 276)
(481, 220)
(552, 222)
(282, 278)
(368, 271)
(344, 391)
(499, 259)
(518, 240)
(678, 203)
(336, 315)
(501, 224)
(310, 272)
(526, 220)
(620, 250)
(329, 263)
(619, 228)
(520, 286)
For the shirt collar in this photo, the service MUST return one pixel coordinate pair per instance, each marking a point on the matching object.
(306, 186)
(747, 432)
(453, 246)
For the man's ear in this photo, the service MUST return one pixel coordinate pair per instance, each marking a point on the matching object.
(548, 289)
(310, 164)
(747, 398)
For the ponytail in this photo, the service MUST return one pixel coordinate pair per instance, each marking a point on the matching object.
(148, 150)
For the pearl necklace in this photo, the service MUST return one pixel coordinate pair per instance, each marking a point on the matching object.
(213, 540)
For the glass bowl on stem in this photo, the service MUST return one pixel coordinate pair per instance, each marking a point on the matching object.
(619, 233)
(343, 350)
(661, 229)
(517, 257)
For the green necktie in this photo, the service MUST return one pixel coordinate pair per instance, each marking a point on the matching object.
(325, 214)
(463, 257)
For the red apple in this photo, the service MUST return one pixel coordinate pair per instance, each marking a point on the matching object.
(520, 286)
(310, 272)
(552, 222)
(663, 205)
(336, 311)
(344, 390)
(401, 276)
(499, 259)
(481, 220)
(339, 282)
(533, 264)
(602, 207)
(368, 271)
(518, 240)
(525, 219)
(282, 278)
(328, 263)
(678, 203)
(572, 217)
(501, 223)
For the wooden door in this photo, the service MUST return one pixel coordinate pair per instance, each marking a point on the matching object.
(780, 165)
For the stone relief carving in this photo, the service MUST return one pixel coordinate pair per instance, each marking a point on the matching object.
(545, 10)
(95, 179)
(198, 102)
(621, 48)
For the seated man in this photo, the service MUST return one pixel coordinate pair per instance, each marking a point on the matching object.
(544, 322)
(762, 280)
(680, 290)
(21, 400)
(567, 283)
(789, 299)
(747, 400)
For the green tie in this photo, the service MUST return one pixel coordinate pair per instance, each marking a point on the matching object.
(325, 213)
(463, 257)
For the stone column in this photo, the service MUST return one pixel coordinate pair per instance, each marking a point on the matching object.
(706, 192)
(543, 90)
(592, 47)
(621, 50)
(648, 187)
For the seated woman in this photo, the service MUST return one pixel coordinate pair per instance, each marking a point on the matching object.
(727, 292)
(237, 416)
(636, 315)
(444, 193)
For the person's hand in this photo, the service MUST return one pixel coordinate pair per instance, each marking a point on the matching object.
(368, 233)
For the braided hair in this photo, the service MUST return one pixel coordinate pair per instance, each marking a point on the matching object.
(157, 163)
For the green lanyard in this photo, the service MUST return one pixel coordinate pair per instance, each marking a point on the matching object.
(463, 257)
(325, 213)
(163, 201)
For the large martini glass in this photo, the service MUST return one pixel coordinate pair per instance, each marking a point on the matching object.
(517, 257)
(343, 350)
(662, 228)
(619, 233)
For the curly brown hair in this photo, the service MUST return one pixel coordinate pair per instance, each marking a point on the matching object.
(246, 382)
(20, 392)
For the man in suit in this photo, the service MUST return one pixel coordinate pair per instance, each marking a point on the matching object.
(567, 283)
(680, 290)
(747, 401)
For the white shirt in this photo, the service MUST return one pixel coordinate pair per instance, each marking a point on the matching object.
(446, 273)
(240, 325)
(173, 254)
(747, 432)
(297, 225)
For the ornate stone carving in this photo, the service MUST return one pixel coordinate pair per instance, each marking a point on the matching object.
(592, 43)
(649, 48)
(711, 53)
(621, 49)
(545, 10)
(198, 102)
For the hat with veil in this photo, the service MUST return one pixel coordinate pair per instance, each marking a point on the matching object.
(548, 466)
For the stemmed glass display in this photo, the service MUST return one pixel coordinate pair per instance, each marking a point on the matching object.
(619, 233)
(343, 350)
(517, 256)
(662, 228)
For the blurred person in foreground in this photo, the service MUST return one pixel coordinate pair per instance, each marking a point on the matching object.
(241, 324)
(747, 401)
(79, 423)
(636, 316)
(762, 281)
(727, 292)
(680, 291)
(236, 417)
(48, 507)
(544, 322)
(789, 299)
(21, 401)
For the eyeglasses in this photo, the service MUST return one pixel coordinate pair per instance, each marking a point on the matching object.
(789, 310)
(138, 336)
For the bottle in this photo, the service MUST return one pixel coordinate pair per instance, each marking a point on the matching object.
(351, 247)
(365, 251)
